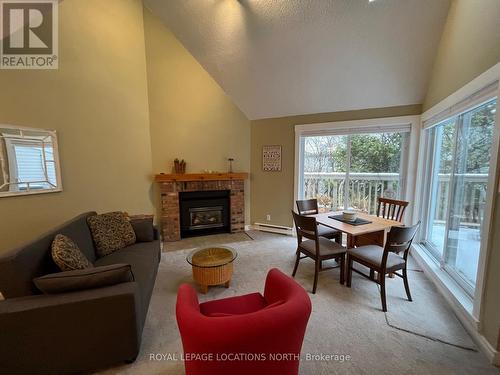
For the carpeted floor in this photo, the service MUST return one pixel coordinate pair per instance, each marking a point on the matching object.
(420, 337)
(216, 239)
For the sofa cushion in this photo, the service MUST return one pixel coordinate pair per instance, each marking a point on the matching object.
(143, 229)
(143, 257)
(82, 279)
(111, 231)
(67, 255)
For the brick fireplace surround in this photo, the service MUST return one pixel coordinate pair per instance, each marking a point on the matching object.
(172, 185)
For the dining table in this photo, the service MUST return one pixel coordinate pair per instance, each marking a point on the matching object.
(372, 233)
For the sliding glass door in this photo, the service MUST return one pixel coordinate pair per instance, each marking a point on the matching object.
(375, 168)
(441, 140)
(324, 170)
(352, 170)
(458, 167)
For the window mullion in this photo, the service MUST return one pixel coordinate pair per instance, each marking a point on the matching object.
(428, 162)
(450, 192)
(348, 171)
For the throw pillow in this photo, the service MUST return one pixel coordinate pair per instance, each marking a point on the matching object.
(88, 278)
(143, 229)
(111, 231)
(67, 255)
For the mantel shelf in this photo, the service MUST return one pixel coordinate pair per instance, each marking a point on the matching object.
(164, 177)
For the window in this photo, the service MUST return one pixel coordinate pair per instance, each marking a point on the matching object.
(28, 161)
(351, 170)
(457, 165)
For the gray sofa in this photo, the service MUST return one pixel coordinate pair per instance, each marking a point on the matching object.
(76, 331)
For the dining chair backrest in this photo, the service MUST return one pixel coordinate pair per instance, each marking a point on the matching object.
(399, 240)
(307, 206)
(305, 227)
(391, 209)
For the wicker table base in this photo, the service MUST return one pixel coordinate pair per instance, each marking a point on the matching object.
(212, 266)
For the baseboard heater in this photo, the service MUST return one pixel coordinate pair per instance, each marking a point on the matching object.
(273, 228)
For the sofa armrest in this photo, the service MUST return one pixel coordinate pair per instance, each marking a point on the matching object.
(156, 232)
(70, 332)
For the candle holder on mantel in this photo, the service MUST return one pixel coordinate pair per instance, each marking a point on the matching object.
(230, 160)
(179, 166)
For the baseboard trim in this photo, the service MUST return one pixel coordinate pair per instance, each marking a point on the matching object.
(280, 229)
(461, 308)
(491, 353)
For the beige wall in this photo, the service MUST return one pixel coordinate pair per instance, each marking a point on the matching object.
(272, 192)
(191, 116)
(97, 102)
(469, 46)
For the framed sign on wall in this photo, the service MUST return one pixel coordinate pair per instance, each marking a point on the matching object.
(271, 158)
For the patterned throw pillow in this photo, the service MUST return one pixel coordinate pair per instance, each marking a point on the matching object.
(111, 231)
(67, 255)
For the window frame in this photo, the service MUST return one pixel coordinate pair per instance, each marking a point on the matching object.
(56, 160)
(428, 150)
(463, 304)
(373, 125)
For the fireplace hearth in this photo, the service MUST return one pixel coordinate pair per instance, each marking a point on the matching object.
(204, 212)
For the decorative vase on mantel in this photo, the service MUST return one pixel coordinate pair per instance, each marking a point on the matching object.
(179, 166)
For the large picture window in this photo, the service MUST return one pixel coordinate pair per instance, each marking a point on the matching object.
(354, 169)
(458, 151)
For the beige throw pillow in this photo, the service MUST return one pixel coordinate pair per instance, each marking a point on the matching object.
(111, 231)
(67, 255)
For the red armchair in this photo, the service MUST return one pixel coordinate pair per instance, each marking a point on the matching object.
(250, 334)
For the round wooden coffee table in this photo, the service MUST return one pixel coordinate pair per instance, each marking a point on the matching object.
(212, 266)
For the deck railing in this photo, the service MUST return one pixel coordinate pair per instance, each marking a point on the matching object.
(474, 197)
(364, 189)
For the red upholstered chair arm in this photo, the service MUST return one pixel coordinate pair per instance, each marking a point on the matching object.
(280, 287)
(188, 298)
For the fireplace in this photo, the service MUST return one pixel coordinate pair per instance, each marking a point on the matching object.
(173, 186)
(204, 212)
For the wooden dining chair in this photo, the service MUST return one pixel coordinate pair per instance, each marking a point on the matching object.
(384, 260)
(310, 207)
(318, 248)
(391, 209)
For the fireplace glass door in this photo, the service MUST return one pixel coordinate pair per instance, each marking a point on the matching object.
(206, 217)
(204, 212)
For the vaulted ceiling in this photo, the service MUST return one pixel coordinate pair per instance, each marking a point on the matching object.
(287, 57)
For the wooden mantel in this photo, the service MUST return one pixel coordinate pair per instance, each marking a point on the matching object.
(164, 177)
